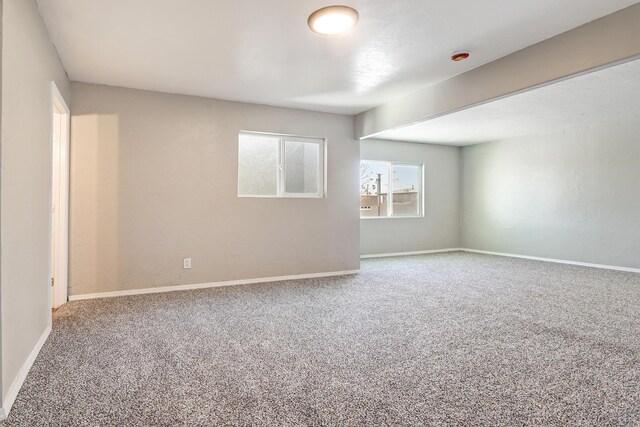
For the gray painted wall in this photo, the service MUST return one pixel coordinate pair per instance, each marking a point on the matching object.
(440, 227)
(154, 180)
(571, 195)
(29, 63)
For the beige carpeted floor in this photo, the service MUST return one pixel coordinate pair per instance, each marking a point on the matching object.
(452, 339)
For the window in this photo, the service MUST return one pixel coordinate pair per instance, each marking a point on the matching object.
(280, 166)
(390, 189)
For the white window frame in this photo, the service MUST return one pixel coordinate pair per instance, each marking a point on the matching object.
(281, 167)
(390, 214)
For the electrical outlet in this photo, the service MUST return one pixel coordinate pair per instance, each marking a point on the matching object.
(186, 263)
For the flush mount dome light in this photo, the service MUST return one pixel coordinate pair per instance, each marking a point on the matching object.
(333, 20)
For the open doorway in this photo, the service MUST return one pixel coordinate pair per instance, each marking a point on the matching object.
(59, 198)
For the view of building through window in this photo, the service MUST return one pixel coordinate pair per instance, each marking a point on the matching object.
(376, 180)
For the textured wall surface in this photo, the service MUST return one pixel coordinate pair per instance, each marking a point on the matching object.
(570, 195)
(154, 180)
(29, 64)
(440, 227)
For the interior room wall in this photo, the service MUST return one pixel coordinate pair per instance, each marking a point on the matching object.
(154, 180)
(569, 195)
(440, 226)
(29, 63)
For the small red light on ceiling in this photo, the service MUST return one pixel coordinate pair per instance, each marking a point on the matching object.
(460, 56)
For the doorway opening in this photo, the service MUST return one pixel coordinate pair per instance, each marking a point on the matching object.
(60, 115)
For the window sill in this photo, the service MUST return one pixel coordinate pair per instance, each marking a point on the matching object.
(367, 218)
(288, 196)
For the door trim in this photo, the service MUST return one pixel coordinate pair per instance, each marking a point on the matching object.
(60, 219)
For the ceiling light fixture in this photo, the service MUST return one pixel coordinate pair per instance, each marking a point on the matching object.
(459, 56)
(333, 20)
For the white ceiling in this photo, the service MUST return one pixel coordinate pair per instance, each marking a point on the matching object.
(262, 51)
(609, 94)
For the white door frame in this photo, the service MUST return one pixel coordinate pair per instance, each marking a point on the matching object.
(59, 235)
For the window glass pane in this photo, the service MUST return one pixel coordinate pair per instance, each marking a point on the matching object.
(301, 167)
(258, 165)
(374, 187)
(406, 189)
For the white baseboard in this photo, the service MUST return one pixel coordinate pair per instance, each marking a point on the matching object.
(329, 274)
(10, 398)
(394, 254)
(557, 261)
(208, 285)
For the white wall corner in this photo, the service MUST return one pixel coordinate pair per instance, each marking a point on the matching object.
(12, 394)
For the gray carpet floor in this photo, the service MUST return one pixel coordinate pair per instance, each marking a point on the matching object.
(439, 340)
